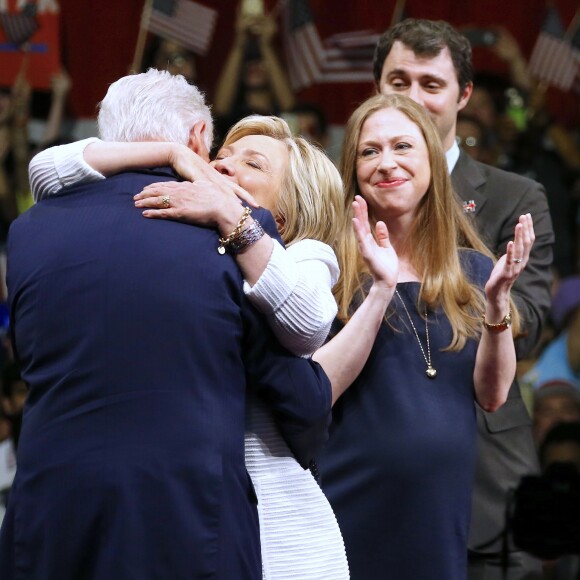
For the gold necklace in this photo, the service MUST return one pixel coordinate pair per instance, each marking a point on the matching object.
(430, 371)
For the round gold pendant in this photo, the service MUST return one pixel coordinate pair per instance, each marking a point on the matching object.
(431, 372)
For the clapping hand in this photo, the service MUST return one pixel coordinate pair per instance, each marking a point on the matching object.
(378, 254)
(511, 264)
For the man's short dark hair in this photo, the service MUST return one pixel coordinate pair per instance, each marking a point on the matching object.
(427, 38)
(560, 433)
(306, 108)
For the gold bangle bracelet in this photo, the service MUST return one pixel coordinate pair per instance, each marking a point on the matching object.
(500, 326)
(225, 242)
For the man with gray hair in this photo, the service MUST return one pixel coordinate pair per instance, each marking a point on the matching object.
(139, 347)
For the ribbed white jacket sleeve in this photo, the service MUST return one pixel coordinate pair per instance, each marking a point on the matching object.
(295, 294)
(56, 167)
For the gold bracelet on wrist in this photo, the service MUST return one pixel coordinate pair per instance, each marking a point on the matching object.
(225, 242)
(246, 238)
(500, 326)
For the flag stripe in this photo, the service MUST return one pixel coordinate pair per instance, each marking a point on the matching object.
(553, 61)
(191, 24)
(342, 58)
(356, 39)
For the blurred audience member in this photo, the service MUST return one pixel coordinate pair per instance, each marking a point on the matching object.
(16, 149)
(562, 446)
(545, 151)
(560, 359)
(473, 138)
(13, 394)
(14, 106)
(499, 100)
(169, 55)
(307, 120)
(524, 139)
(483, 103)
(554, 402)
(252, 79)
(488, 105)
(7, 462)
(506, 47)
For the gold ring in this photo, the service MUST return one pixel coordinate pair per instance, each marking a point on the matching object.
(517, 260)
(166, 201)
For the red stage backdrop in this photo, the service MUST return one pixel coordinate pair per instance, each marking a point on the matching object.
(98, 41)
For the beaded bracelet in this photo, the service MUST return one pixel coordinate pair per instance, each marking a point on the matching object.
(225, 242)
(246, 237)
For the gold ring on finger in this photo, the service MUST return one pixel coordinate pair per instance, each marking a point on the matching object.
(166, 201)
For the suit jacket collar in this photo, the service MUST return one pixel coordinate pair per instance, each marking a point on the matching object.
(160, 171)
(469, 181)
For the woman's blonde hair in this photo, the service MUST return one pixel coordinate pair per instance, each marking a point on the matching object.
(309, 204)
(439, 229)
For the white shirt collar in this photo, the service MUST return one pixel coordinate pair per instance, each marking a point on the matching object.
(452, 155)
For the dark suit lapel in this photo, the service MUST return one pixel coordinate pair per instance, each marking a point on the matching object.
(469, 181)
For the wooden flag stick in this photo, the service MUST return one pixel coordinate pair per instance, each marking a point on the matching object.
(140, 45)
(277, 8)
(398, 12)
(571, 30)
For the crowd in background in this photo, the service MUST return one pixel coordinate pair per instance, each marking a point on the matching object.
(506, 124)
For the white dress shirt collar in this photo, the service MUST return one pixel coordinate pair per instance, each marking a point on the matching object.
(452, 155)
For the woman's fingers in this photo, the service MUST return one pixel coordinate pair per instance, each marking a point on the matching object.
(522, 244)
(362, 226)
(159, 198)
(528, 235)
(360, 210)
(382, 234)
(244, 195)
(516, 257)
(515, 249)
(159, 213)
(159, 189)
(187, 188)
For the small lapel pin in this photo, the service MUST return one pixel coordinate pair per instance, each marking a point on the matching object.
(469, 206)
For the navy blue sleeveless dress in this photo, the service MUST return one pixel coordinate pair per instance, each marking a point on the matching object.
(399, 465)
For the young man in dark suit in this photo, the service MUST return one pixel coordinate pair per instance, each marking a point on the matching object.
(139, 347)
(431, 63)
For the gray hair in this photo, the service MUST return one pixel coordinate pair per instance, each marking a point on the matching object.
(153, 106)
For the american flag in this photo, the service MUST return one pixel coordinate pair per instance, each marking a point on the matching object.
(555, 59)
(19, 27)
(342, 58)
(304, 50)
(576, 52)
(356, 47)
(184, 21)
